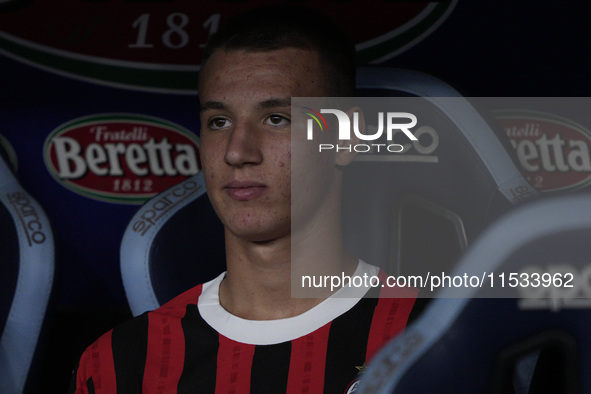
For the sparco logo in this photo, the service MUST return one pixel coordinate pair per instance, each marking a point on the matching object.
(563, 286)
(29, 218)
(391, 123)
(553, 152)
(121, 158)
(155, 209)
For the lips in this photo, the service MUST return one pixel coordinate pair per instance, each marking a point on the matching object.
(244, 190)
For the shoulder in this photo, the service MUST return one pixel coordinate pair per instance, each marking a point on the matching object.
(177, 306)
(120, 354)
(97, 364)
(133, 332)
(127, 333)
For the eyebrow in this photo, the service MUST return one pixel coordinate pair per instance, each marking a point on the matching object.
(271, 103)
(212, 105)
(275, 102)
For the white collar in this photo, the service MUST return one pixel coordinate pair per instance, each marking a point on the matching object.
(267, 332)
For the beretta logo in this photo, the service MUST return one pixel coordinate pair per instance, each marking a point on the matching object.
(121, 158)
(553, 152)
(156, 45)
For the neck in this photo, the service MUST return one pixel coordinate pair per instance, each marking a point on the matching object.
(258, 281)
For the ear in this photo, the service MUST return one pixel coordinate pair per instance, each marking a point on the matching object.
(346, 154)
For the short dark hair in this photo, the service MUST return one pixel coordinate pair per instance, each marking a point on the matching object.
(288, 26)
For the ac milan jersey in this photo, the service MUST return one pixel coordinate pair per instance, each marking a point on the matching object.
(193, 345)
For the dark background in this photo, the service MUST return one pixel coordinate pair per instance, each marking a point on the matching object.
(484, 48)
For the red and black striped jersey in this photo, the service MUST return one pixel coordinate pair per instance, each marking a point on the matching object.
(193, 345)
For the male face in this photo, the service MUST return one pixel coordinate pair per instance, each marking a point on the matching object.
(246, 135)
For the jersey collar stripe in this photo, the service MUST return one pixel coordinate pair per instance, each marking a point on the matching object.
(268, 332)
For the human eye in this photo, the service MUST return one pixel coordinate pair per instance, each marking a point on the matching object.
(218, 123)
(277, 120)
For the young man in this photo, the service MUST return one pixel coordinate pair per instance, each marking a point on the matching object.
(243, 332)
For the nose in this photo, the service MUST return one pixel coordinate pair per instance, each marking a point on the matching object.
(243, 146)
